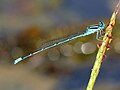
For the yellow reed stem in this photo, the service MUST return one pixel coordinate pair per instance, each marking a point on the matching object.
(102, 49)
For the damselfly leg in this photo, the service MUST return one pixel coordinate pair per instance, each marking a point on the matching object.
(99, 35)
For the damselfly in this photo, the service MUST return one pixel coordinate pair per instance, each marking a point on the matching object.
(55, 42)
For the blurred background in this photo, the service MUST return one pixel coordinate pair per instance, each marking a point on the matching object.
(26, 24)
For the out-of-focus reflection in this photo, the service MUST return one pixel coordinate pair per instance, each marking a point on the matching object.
(66, 50)
(88, 48)
(77, 47)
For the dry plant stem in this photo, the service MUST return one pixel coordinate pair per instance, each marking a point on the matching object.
(102, 49)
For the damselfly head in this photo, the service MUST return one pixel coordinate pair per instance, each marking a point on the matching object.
(102, 25)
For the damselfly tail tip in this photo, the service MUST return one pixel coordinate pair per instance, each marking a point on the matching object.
(17, 60)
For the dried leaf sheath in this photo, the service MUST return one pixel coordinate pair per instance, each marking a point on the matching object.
(102, 49)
